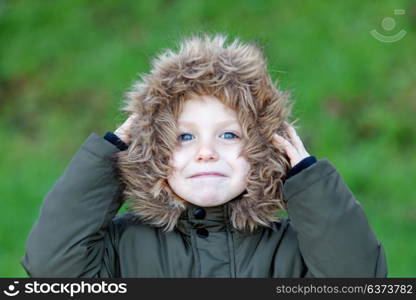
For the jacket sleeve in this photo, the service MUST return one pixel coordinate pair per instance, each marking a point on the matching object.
(74, 234)
(335, 239)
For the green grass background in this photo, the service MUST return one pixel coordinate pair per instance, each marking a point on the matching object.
(64, 66)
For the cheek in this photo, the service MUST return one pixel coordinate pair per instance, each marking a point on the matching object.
(177, 161)
(242, 167)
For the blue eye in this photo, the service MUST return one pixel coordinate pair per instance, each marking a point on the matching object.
(230, 134)
(185, 134)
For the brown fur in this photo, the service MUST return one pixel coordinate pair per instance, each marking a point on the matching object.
(237, 75)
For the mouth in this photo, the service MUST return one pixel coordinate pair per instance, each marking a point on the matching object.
(208, 174)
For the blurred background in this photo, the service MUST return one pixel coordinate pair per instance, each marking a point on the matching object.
(65, 66)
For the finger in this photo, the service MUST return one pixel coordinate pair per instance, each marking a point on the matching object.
(293, 135)
(282, 142)
(132, 118)
(288, 148)
(297, 142)
(130, 121)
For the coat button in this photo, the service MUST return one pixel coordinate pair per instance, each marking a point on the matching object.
(202, 232)
(199, 213)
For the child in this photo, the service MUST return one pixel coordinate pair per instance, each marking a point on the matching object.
(207, 160)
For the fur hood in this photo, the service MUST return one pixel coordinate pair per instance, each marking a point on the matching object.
(237, 75)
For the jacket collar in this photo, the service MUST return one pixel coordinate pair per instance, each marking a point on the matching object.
(215, 218)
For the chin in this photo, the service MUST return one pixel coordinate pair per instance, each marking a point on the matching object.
(209, 203)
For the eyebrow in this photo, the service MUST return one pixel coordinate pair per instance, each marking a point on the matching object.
(223, 123)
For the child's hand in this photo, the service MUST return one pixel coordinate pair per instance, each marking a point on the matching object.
(123, 131)
(293, 148)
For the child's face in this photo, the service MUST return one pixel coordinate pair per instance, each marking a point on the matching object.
(209, 141)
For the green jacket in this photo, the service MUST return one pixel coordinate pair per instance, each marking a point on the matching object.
(78, 233)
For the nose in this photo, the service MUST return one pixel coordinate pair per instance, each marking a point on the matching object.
(206, 152)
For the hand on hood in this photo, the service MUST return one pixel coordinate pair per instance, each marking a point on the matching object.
(123, 131)
(294, 148)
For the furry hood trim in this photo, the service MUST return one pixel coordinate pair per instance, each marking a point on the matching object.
(237, 75)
